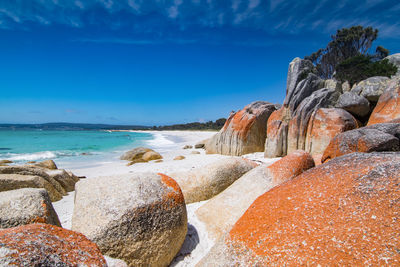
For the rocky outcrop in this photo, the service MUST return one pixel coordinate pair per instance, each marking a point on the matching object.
(395, 59)
(56, 182)
(325, 124)
(388, 106)
(140, 154)
(205, 182)
(355, 104)
(47, 164)
(277, 130)
(371, 88)
(47, 245)
(220, 213)
(298, 125)
(298, 70)
(244, 132)
(26, 206)
(138, 218)
(377, 137)
(343, 211)
(179, 157)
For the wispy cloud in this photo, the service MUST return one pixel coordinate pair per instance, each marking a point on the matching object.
(155, 17)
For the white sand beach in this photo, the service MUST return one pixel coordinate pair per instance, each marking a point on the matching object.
(169, 144)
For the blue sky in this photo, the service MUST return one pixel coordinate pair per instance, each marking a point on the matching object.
(159, 62)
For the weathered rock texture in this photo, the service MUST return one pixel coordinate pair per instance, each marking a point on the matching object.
(325, 124)
(205, 182)
(220, 213)
(354, 103)
(377, 137)
(47, 164)
(138, 218)
(26, 206)
(371, 88)
(140, 154)
(395, 59)
(47, 245)
(341, 212)
(56, 182)
(388, 106)
(244, 132)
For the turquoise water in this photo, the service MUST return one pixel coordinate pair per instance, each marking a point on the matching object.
(36, 145)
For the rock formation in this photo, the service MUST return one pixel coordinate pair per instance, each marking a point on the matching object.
(140, 154)
(220, 213)
(47, 164)
(26, 206)
(377, 137)
(395, 59)
(138, 218)
(244, 132)
(341, 212)
(47, 245)
(205, 182)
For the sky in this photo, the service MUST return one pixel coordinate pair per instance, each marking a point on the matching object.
(159, 62)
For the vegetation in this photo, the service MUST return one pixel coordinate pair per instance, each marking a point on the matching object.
(346, 55)
(210, 125)
(358, 68)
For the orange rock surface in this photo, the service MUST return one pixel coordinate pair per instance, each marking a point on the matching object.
(47, 245)
(343, 213)
(388, 107)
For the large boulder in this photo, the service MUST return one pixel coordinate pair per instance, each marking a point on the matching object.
(66, 180)
(220, 213)
(395, 59)
(298, 125)
(388, 106)
(26, 206)
(297, 71)
(244, 132)
(377, 137)
(47, 245)
(371, 88)
(341, 212)
(17, 181)
(325, 124)
(138, 218)
(355, 104)
(140, 154)
(205, 182)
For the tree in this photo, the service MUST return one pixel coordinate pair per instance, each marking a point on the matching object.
(345, 44)
(381, 52)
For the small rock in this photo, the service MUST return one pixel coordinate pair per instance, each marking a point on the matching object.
(187, 147)
(151, 155)
(31, 162)
(48, 164)
(179, 158)
(6, 161)
(195, 152)
(134, 154)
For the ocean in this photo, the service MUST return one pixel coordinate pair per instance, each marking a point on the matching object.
(78, 147)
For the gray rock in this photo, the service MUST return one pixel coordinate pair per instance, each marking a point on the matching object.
(371, 88)
(205, 182)
(17, 181)
(303, 90)
(298, 70)
(354, 103)
(187, 147)
(346, 87)
(26, 206)
(138, 218)
(244, 132)
(201, 144)
(395, 59)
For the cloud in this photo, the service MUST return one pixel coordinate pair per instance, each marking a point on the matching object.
(162, 18)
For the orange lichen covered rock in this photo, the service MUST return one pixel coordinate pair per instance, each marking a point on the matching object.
(244, 131)
(344, 213)
(325, 124)
(47, 245)
(377, 137)
(388, 107)
(277, 130)
(140, 218)
(220, 213)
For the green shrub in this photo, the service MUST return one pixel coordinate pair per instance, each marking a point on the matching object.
(361, 67)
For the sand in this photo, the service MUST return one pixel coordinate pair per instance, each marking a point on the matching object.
(169, 144)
